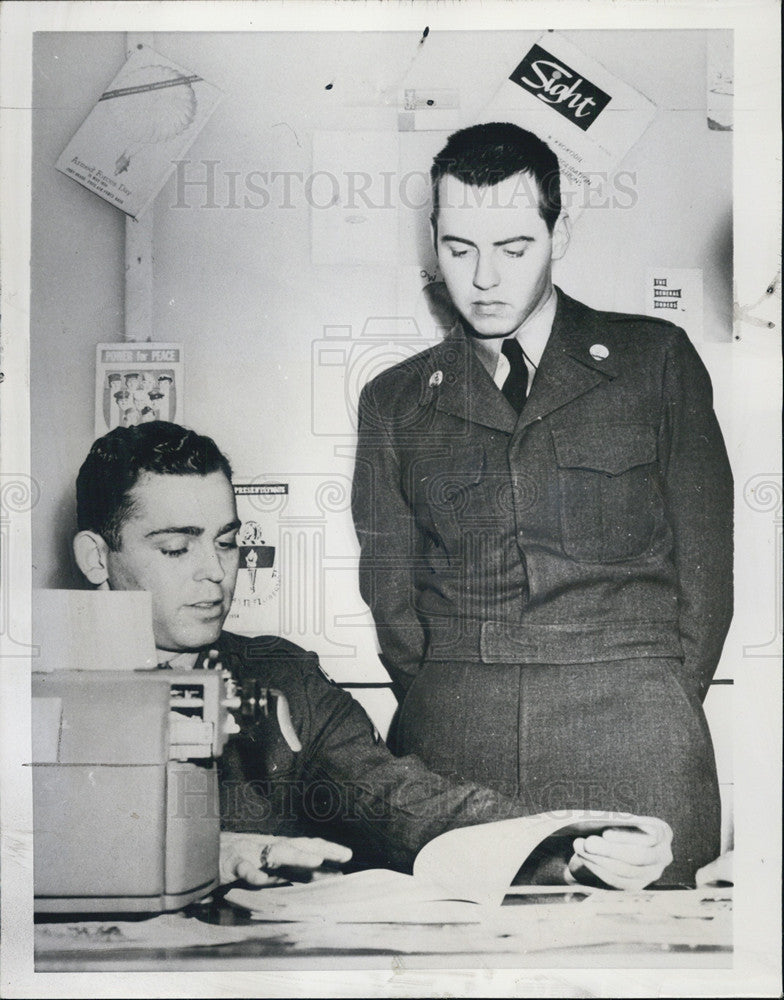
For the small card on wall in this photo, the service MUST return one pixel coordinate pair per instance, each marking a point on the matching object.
(255, 608)
(353, 197)
(137, 383)
(675, 294)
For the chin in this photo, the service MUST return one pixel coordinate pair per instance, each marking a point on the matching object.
(492, 330)
(212, 635)
(196, 639)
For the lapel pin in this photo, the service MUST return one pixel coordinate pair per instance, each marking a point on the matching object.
(598, 352)
(436, 379)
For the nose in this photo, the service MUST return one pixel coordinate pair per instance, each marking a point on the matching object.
(486, 273)
(210, 566)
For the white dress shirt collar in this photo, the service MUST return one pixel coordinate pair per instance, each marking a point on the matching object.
(177, 661)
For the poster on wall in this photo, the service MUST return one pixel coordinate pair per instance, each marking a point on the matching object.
(144, 122)
(135, 384)
(590, 117)
(255, 609)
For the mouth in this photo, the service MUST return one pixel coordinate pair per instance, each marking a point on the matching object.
(208, 609)
(487, 308)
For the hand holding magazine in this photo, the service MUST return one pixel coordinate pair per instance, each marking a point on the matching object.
(473, 867)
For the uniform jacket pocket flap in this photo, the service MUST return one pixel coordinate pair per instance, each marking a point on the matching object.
(610, 448)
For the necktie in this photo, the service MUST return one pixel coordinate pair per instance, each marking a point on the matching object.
(517, 380)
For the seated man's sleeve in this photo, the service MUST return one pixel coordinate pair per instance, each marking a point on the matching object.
(386, 808)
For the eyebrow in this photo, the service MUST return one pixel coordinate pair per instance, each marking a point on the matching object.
(497, 243)
(189, 529)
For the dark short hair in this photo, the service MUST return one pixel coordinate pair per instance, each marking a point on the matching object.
(482, 155)
(117, 460)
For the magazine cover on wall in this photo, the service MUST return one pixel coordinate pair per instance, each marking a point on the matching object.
(589, 116)
(255, 609)
(135, 384)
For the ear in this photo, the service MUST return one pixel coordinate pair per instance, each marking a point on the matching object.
(562, 231)
(90, 551)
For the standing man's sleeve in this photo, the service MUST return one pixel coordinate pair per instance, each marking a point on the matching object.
(699, 497)
(386, 531)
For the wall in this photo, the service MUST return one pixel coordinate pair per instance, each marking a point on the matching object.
(76, 286)
(236, 280)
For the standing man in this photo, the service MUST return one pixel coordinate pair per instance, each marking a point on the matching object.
(544, 508)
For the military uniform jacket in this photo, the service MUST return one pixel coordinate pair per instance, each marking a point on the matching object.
(596, 526)
(344, 784)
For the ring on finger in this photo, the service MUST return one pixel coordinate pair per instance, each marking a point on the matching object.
(264, 862)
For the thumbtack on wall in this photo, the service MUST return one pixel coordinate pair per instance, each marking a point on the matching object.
(743, 314)
(425, 109)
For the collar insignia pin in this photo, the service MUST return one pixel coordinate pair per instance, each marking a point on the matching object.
(436, 379)
(598, 352)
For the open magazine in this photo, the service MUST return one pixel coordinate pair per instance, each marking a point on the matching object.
(457, 876)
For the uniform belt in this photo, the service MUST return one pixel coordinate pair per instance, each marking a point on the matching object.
(504, 642)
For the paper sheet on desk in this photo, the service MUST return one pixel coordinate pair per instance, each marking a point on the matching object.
(373, 896)
(623, 922)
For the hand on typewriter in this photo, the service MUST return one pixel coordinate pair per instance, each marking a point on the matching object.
(254, 857)
(624, 858)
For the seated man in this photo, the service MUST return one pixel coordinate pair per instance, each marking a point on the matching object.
(156, 512)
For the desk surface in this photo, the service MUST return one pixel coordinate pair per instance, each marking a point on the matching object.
(683, 929)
